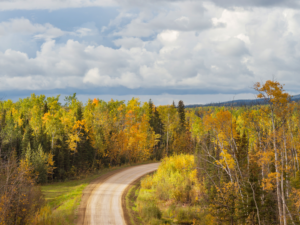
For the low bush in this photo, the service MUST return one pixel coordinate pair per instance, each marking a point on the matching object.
(20, 199)
(176, 180)
(150, 211)
(172, 194)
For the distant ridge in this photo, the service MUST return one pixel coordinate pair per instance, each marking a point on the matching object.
(243, 102)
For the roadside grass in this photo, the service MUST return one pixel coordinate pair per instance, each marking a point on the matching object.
(150, 214)
(130, 205)
(131, 212)
(63, 199)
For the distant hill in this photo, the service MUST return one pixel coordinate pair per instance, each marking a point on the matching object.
(238, 102)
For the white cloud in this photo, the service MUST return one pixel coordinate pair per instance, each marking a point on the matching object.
(129, 43)
(22, 26)
(187, 46)
(127, 79)
(82, 32)
(176, 15)
(168, 36)
(25, 27)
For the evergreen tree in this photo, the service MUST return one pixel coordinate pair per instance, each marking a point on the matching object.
(181, 113)
(27, 139)
(45, 109)
(2, 125)
(40, 163)
(79, 114)
(157, 125)
(150, 111)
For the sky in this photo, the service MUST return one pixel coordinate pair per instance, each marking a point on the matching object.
(195, 51)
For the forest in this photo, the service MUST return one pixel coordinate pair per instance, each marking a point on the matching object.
(220, 165)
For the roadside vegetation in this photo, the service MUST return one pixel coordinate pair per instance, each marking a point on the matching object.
(62, 201)
(171, 195)
(129, 204)
(244, 169)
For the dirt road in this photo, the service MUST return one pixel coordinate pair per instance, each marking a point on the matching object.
(104, 205)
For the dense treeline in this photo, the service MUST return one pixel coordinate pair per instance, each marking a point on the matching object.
(248, 159)
(62, 141)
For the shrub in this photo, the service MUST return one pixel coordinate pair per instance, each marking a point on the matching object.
(147, 182)
(175, 188)
(175, 179)
(150, 211)
(19, 197)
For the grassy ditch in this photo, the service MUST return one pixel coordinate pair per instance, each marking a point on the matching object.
(152, 212)
(129, 204)
(63, 199)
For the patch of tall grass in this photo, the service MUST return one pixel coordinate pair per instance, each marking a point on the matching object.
(62, 200)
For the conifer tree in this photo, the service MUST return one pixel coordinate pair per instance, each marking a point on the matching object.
(156, 123)
(45, 109)
(181, 112)
(27, 139)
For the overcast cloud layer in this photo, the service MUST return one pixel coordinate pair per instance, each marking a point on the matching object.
(200, 49)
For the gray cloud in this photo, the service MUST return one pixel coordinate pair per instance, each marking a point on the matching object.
(187, 48)
(257, 3)
(140, 4)
(52, 4)
(177, 15)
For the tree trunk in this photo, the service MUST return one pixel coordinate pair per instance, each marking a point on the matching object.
(283, 200)
(277, 171)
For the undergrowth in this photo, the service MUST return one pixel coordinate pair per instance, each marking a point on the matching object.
(171, 195)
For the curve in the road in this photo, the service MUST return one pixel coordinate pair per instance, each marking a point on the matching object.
(104, 206)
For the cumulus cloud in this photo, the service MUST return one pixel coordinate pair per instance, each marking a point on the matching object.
(24, 26)
(127, 79)
(177, 15)
(186, 47)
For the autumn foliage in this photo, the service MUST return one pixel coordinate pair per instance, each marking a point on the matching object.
(51, 142)
(19, 197)
(226, 165)
(248, 159)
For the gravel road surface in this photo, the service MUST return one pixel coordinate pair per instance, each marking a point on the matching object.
(104, 206)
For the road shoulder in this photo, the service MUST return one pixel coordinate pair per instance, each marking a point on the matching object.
(128, 202)
(129, 198)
